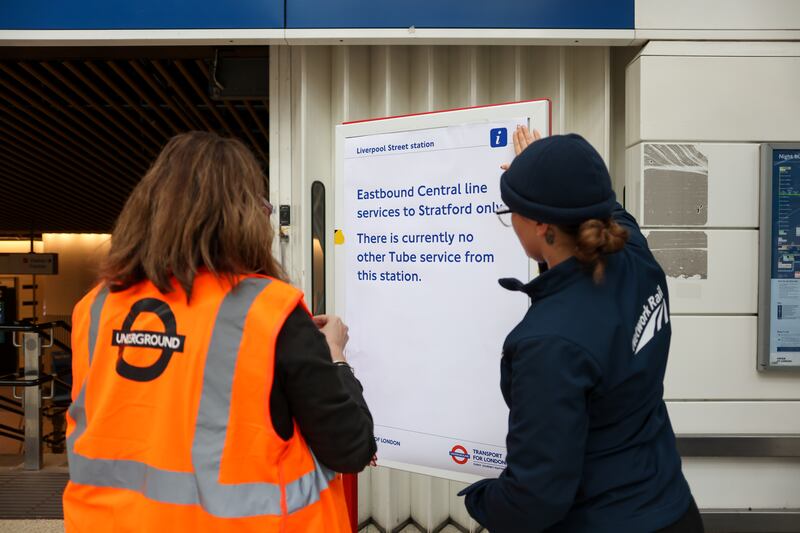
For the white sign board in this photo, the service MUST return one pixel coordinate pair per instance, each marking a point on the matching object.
(25, 264)
(419, 253)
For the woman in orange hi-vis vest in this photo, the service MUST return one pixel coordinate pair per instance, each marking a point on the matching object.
(205, 397)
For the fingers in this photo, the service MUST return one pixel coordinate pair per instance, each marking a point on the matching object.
(517, 147)
(328, 320)
(529, 137)
(523, 137)
(336, 334)
(332, 325)
(523, 142)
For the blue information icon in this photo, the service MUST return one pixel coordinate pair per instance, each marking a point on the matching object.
(498, 137)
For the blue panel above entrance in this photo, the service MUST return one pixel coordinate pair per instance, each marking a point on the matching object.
(297, 14)
(512, 14)
(140, 14)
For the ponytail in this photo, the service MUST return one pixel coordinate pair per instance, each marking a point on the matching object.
(594, 240)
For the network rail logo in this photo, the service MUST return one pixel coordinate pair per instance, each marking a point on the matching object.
(654, 317)
(459, 454)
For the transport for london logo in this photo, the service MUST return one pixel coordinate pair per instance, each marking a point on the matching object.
(167, 341)
(459, 454)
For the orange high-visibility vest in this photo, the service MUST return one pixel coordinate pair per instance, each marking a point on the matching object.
(170, 429)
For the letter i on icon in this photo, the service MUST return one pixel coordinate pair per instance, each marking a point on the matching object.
(498, 137)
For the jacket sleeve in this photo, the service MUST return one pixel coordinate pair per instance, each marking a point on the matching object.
(325, 400)
(626, 220)
(551, 380)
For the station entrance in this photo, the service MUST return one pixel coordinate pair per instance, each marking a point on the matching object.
(78, 128)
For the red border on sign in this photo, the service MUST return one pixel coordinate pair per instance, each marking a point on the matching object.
(548, 100)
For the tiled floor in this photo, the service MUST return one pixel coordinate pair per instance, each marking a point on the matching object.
(37, 494)
(57, 526)
(409, 529)
(30, 495)
(31, 526)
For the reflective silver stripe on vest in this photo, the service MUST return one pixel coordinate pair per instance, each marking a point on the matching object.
(201, 487)
(77, 410)
(94, 323)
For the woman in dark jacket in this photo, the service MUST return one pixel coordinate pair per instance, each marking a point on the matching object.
(590, 444)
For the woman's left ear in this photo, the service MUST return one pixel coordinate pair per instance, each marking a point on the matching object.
(542, 229)
(550, 235)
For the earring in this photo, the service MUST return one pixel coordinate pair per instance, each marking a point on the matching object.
(550, 236)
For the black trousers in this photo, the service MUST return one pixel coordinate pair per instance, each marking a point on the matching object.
(690, 522)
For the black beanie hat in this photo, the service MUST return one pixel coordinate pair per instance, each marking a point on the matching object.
(560, 179)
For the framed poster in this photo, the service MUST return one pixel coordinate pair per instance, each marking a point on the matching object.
(779, 258)
(418, 253)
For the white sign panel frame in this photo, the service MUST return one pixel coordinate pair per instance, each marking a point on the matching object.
(536, 114)
(778, 349)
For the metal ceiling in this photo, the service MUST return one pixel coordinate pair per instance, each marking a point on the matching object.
(79, 127)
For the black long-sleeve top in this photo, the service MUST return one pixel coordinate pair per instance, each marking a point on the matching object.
(324, 399)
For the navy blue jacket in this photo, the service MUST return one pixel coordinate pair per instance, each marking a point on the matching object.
(590, 445)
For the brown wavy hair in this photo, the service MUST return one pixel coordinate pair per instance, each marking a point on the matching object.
(201, 204)
(595, 239)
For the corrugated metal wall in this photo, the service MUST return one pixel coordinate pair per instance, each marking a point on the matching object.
(313, 88)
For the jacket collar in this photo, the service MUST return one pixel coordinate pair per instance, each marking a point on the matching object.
(550, 282)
